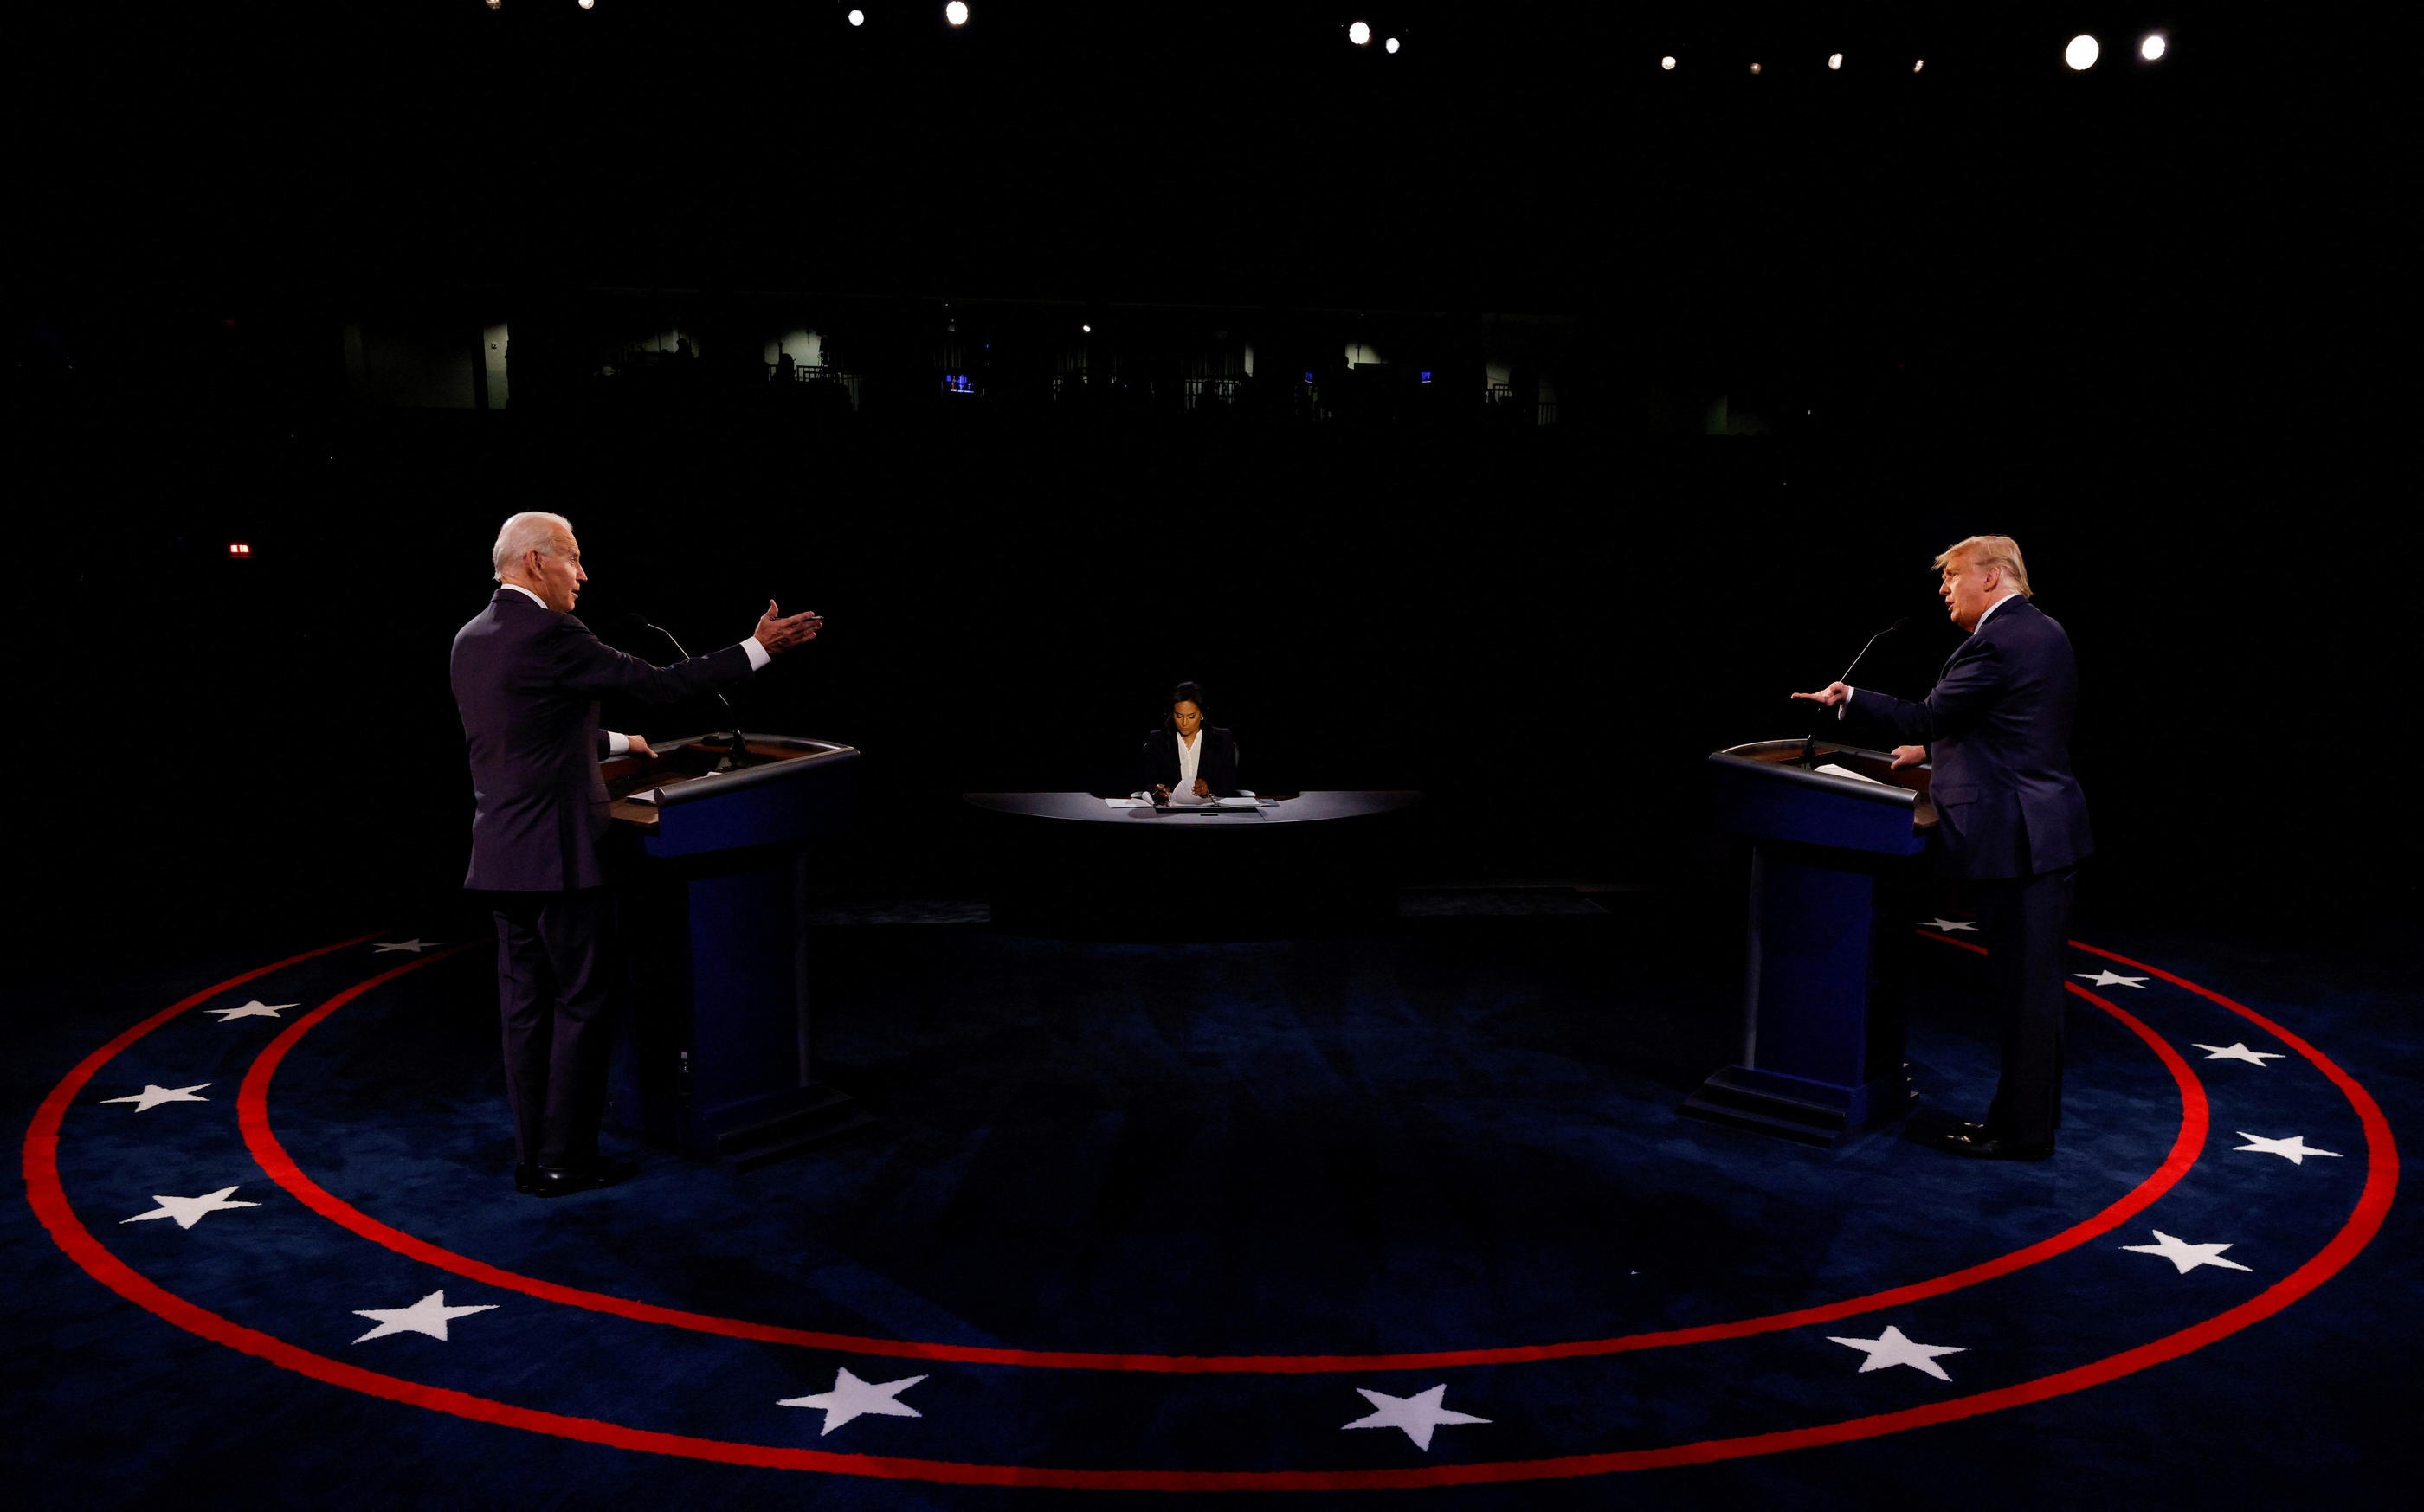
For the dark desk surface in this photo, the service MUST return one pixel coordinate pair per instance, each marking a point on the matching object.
(1303, 808)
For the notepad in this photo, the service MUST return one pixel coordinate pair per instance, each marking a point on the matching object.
(1833, 771)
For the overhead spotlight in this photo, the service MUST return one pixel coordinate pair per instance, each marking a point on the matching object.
(2153, 47)
(495, 3)
(1357, 33)
(1919, 65)
(588, 5)
(1834, 62)
(1391, 46)
(956, 13)
(1754, 68)
(1088, 330)
(1667, 63)
(858, 18)
(2082, 52)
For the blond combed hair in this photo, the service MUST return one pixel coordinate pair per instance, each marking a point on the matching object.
(1989, 551)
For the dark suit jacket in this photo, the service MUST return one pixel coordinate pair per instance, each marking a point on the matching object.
(526, 681)
(1998, 731)
(1217, 764)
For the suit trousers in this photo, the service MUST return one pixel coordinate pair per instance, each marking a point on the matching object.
(2028, 933)
(557, 967)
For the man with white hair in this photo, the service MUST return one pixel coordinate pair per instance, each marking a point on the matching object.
(527, 677)
(2011, 820)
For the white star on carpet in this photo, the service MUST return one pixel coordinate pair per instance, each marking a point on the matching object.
(429, 1315)
(1947, 924)
(416, 946)
(256, 1008)
(2295, 1149)
(2240, 1052)
(1418, 1415)
(2184, 1254)
(852, 1398)
(1892, 1348)
(189, 1211)
(2112, 979)
(154, 1096)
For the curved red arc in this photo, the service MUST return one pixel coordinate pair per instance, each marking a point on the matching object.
(48, 1197)
(252, 1111)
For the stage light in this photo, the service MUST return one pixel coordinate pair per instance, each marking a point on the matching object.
(494, 4)
(956, 13)
(588, 5)
(1754, 68)
(858, 18)
(1667, 63)
(238, 549)
(1391, 45)
(1088, 330)
(1357, 33)
(2082, 52)
(2153, 47)
(1834, 62)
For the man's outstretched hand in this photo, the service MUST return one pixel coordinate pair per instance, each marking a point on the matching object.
(779, 634)
(1833, 694)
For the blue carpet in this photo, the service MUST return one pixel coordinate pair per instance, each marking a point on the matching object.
(1456, 1137)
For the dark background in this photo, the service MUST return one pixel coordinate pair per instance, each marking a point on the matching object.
(2136, 318)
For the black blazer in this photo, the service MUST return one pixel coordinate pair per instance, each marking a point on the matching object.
(1217, 764)
(526, 681)
(1997, 729)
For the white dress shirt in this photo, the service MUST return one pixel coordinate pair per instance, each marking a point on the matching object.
(620, 745)
(1191, 750)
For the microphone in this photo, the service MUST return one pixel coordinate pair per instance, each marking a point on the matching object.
(1894, 628)
(737, 757)
(1810, 741)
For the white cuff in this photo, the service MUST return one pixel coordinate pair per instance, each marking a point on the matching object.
(759, 656)
(1845, 707)
(617, 744)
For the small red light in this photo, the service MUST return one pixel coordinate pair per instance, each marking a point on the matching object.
(238, 549)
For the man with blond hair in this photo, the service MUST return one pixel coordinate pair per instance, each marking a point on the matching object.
(527, 677)
(2011, 822)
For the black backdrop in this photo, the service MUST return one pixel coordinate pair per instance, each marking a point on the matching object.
(2122, 316)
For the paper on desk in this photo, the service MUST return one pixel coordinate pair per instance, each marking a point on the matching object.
(646, 795)
(1127, 802)
(1236, 802)
(1833, 771)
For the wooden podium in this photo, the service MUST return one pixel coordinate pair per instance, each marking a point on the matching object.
(715, 1060)
(1835, 876)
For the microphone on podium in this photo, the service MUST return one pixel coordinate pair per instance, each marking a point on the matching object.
(1810, 741)
(735, 759)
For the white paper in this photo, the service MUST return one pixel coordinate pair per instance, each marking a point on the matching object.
(1127, 802)
(646, 795)
(1833, 771)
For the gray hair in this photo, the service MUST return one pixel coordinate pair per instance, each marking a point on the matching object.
(532, 530)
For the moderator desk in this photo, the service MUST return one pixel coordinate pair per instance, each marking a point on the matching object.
(1071, 864)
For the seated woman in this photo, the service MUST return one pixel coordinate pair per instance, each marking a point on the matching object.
(1188, 757)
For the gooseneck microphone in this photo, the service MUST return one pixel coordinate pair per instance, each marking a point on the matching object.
(736, 757)
(1810, 741)
(1895, 628)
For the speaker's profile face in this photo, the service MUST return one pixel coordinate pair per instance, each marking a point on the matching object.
(559, 574)
(1186, 716)
(1963, 586)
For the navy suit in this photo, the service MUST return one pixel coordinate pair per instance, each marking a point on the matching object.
(527, 681)
(2012, 826)
(1216, 764)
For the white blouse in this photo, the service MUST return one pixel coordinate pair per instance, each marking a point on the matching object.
(1189, 752)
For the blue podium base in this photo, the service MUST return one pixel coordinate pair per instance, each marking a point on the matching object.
(1817, 1113)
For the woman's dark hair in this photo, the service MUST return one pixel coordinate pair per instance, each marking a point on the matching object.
(1185, 693)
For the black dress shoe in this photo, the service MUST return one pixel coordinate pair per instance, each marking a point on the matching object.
(548, 1181)
(1974, 1141)
(525, 1179)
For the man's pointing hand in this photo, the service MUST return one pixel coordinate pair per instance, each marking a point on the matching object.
(779, 634)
